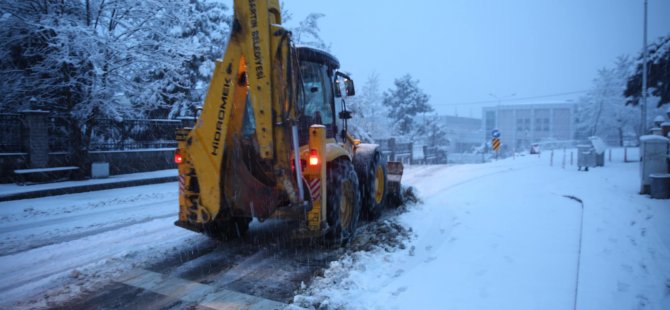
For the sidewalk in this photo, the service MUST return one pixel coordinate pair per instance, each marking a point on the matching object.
(16, 192)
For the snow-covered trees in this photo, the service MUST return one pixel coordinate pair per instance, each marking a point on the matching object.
(609, 109)
(206, 30)
(433, 131)
(308, 32)
(658, 74)
(404, 103)
(602, 111)
(369, 114)
(117, 59)
(92, 58)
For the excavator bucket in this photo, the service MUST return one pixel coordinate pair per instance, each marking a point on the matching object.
(394, 171)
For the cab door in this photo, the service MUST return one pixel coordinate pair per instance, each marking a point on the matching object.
(316, 99)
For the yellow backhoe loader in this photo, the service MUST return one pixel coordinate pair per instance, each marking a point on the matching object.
(272, 140)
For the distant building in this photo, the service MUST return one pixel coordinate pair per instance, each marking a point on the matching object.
(464, 133)
(524, 124)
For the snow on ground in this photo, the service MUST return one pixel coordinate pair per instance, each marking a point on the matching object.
(501, 235)
(504, 235)
(54, 248)
(31, 223)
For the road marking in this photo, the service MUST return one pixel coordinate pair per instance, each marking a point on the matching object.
(202, 294)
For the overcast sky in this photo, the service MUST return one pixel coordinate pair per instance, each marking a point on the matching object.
(464, 50)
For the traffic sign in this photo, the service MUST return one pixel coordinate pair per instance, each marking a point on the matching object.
(495, 143)
(495, 133)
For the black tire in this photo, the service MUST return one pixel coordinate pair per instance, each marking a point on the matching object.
(372, 175)
(343, 205)
(233, 228)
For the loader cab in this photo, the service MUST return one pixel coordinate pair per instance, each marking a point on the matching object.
(316, 100)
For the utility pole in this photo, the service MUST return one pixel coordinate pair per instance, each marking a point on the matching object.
(499, 99)
(498, 108)
(643, 104)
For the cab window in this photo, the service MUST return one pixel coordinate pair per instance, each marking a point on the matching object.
(316, 95)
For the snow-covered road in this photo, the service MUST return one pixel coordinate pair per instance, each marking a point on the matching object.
(119, 249)
(503, 235)
(53, 248)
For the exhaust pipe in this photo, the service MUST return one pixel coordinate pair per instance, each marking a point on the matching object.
(298, 165)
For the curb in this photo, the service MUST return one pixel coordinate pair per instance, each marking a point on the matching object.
(85, 188)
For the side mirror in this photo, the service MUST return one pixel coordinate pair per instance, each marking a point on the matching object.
(348, 85)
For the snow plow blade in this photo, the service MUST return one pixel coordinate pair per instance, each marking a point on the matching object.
(394, 174)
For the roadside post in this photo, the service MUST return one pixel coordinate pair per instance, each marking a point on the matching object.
(564, 155)
(610, 155)
(495, 142)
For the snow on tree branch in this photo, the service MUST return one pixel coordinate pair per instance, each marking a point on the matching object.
(404, 103)
(96, 59)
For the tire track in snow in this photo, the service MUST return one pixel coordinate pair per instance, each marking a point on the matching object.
(30, 235)
(78, 217)
(436, 194)
(270, 269)
(83, 234)
(436, 224)
(473, 179)
(34, 266)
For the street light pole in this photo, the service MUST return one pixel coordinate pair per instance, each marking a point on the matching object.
(498, 107)
(643, 104)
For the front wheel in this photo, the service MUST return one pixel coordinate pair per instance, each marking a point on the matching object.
(375, 190)
(343, 202)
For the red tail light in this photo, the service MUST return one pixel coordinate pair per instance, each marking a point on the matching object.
(177, 158)
(313, 158)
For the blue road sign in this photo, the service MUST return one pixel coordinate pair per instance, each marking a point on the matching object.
(495, 133)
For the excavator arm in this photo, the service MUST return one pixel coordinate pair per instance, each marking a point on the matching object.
(255, 71)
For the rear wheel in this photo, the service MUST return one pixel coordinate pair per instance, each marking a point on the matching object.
(343, 202)
(233, 228)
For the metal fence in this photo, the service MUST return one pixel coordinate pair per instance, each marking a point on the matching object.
(110, 134)
(396, 151)
(106, 134)
(59, 134)
(434, 155)
(10, 133)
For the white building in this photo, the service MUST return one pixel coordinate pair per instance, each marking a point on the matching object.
(524, 124)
